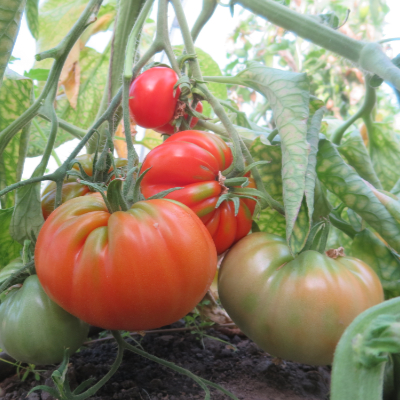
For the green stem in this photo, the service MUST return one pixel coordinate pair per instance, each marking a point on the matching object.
(237, 166)
(342, 225)
(203, 383)
(273, 134)
(206, 13)
(369, 56)
(92, 390)
(365, 110)
(41, 133)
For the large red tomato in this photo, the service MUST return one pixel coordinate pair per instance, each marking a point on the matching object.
(134, 270)
(296, 309)
(152, 100)
(71, 188)
(193, 160)
(169, 129)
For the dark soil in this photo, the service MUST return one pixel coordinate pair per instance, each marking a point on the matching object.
(249, 373)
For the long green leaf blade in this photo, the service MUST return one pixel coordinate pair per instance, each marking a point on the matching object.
(288, 94)
(10, 19)
(32, 17)
(9, 248)
(15, 97)
(346, 184)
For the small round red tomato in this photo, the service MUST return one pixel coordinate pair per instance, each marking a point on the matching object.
(71, 188)
(296, 309)
(193, 160)
(152, 100)
(169, 129)
(134, 270)
(36, 330)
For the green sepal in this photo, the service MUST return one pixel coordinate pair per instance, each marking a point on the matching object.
(184, 84)
(164, 193)
(185, 57)
(255, 227)
(115, 197)
(99, 188)
(81, 174)
(238, 181)
(254, 164)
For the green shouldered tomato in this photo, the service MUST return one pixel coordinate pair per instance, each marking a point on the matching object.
(36, 330)
(295, 309)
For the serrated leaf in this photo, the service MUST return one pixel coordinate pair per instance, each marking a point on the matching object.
(341, 180)
(385, 154)
(288, 95)
(15, 98)
(151, 139)
(9, 248)
(369, 248)
(32, 17)
(40, 74)
(208, 68)
(10, 19)
(356, 154)
(93, 76)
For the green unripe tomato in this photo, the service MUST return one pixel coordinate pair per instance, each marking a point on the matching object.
(34, 329)
(296, 309)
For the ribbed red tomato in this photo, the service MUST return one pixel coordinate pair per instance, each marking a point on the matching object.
(193, 160)
(152, 100)
(134, 270)
(71, 188)
(169, 129)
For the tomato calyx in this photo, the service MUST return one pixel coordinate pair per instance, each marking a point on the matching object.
(335, 253)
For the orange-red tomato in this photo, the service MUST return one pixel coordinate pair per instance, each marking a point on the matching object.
(134, 270)
(193, 160)
(71, 188)
(296, 309)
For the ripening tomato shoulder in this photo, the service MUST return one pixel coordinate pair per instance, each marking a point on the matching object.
(193, 160)
(71, 188)
(134, 270)
(152, 97)
(296, 309)
(34, 329)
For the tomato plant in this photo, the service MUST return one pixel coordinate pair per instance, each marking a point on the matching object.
(295, 309)
(71, 188)
(152, 97)
(36, 330)
(195, 162)
(106, 268)
(169, 129)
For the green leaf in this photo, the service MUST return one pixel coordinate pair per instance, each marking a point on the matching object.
(356, 154)
(341, 180)
(151, 139)
(288, 95)
(270, 220)
(322, 207)
(39, 74)
(10, 19)
(9, 248)
(15, 97)
(385, 154)
(32, 17)
(208, 68)
(369, 248)
(27, 218)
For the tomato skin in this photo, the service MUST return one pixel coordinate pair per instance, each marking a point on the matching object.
(152, 101)
(36, 330)
(135, 270)
(169, 129)
(192, 160)
(71, 188)
(294, 309)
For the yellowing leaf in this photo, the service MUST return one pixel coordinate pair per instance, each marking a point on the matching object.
(151, 139)
(71, 75)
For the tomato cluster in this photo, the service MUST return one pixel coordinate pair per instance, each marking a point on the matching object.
(150, 265)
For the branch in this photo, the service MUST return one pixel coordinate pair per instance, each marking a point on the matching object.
(368, 56)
